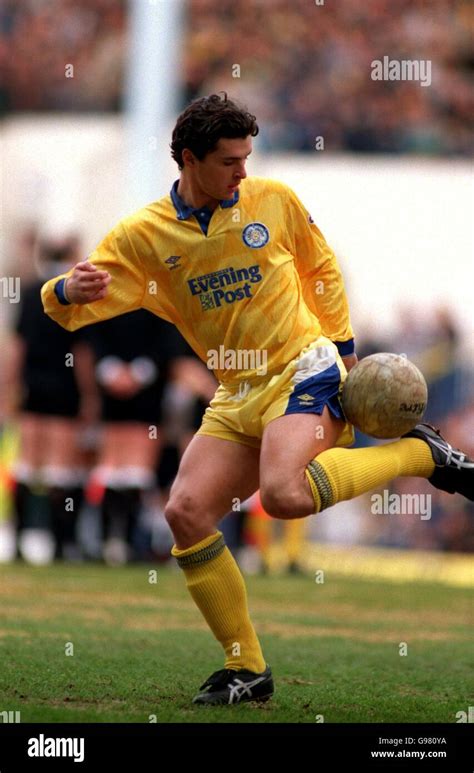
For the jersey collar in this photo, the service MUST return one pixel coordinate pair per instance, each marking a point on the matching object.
(184, 211)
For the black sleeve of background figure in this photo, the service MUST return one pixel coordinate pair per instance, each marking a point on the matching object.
(174, 345)
(85, 335)
(26, 309)
(99, 337)
(19, 320)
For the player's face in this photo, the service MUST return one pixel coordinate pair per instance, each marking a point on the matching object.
(220, 172)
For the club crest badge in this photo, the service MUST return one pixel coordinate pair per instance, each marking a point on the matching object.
(255, 235)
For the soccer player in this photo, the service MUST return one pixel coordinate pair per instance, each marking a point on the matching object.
(54, 400)
(241, 269)
(135, 354)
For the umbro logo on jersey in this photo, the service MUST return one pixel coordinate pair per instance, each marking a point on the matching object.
(306, 399)
(172, 262)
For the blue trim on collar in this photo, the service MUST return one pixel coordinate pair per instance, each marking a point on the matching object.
(184, 211)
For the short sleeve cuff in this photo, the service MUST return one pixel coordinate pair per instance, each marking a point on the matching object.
(59, 292)
(345, 348)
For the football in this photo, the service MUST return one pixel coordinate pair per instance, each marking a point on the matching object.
(384, 395)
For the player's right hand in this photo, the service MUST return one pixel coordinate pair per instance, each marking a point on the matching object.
(86, 283)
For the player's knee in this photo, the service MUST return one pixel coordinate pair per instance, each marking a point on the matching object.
(183, 516)
(280, 501)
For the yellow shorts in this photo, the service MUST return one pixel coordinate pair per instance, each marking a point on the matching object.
(309, 382)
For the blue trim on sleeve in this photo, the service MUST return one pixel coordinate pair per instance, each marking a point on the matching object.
(59, 292)
(345, 347)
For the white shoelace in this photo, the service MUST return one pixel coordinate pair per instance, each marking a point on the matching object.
(450, 452)
(240, 688)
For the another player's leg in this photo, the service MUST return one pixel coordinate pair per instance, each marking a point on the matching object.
(30, 495)
(294, 530)
(63, 475)
(126, 468)
(214, 474)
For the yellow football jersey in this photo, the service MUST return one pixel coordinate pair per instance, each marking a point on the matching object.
(261, 279)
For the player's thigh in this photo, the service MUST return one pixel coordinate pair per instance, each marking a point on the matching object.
(213, 476)
(290, 442)
(111, 439)
(49, 440)
(125, 444)
(31, 433)
(138, 444)
(61, 442)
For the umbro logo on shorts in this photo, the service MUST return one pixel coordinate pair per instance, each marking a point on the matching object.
(306, 398)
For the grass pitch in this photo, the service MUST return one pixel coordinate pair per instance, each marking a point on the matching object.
(138, 650)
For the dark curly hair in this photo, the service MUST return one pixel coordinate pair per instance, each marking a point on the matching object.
(205, 121)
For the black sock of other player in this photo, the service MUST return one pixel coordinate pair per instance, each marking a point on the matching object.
(65, 504)
(31, 506)
(120, 510)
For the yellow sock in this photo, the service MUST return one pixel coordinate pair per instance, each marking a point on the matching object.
(344, 473)
(217, 586)
(293, 538)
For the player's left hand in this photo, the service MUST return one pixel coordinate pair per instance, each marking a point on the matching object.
(349, 361)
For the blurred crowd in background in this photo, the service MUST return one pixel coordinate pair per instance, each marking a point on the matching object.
(94, 423)
(305, 68)
(38, 40)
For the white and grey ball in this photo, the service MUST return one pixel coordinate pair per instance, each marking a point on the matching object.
(384, 395)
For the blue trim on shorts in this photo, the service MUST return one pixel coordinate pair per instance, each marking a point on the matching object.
(323, 388)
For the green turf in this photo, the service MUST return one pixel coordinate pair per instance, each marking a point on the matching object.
(140, 649)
